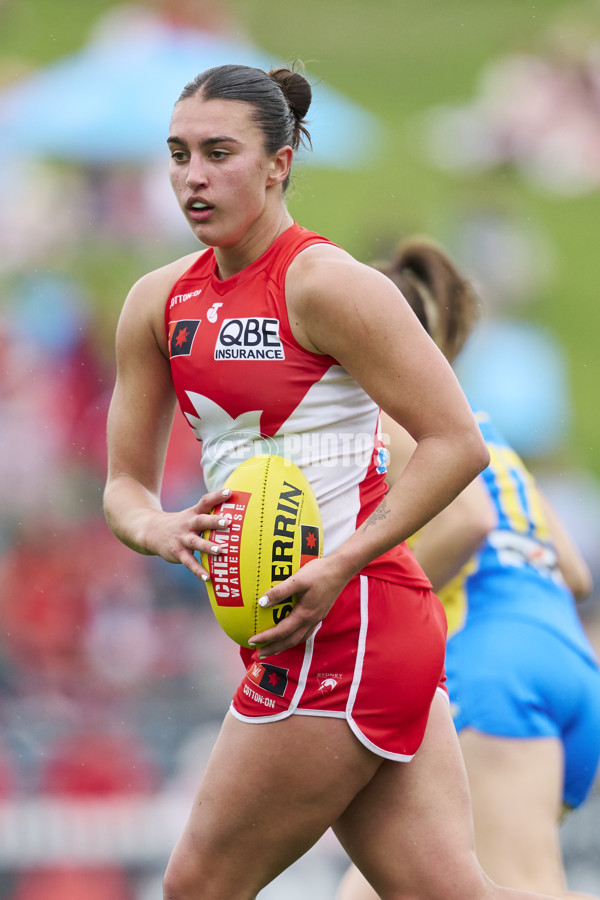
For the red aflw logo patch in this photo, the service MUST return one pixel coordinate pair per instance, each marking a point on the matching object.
(270, 678)
(181, 336)
(310, 543)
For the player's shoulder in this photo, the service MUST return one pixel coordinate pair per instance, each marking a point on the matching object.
(320, 266)
(146, 301)
(325, 272)
(313, 258)
(163, 279)
(150, 293)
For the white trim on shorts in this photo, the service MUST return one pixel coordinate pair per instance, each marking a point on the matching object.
(308, 652)
(336, 714)
(360, 656)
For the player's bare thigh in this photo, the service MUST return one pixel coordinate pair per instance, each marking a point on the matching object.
(268, 793)
(410, 829)
(516, 790)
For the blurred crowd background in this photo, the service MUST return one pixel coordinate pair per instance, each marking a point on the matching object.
(477, 124)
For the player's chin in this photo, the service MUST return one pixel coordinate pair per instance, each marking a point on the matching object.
(203, 234)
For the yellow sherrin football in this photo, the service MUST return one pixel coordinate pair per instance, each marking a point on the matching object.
(275, 529)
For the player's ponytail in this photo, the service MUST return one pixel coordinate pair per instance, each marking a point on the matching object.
(444, 301)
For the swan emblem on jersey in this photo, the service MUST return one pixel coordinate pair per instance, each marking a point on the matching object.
(226, 442)
(327, 685)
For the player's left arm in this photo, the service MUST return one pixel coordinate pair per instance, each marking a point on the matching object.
(400, 446)
(349, 311)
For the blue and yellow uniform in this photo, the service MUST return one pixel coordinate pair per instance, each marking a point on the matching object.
(519, 664)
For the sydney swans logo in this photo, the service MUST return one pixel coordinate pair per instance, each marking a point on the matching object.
(228, 442)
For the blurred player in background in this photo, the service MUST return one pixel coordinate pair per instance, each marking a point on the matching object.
(523, 680)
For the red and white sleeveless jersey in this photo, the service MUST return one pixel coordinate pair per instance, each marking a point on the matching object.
(246, 387)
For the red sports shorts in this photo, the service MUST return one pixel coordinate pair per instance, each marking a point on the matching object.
(376, 660)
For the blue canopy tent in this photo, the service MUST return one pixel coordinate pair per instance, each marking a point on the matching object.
(111, 102)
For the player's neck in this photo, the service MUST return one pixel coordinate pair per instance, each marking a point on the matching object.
(256, 241)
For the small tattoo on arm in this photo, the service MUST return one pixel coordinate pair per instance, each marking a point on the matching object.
(382, 512)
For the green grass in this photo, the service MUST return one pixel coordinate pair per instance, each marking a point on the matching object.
(397, 58)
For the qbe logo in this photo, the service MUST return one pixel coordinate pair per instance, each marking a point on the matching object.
(249, 339)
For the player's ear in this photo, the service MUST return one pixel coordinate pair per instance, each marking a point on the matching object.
(280, 164)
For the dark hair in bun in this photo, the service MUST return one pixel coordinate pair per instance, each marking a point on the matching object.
(280, 100)
(298, 93)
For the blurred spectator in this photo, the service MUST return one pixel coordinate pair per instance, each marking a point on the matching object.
(33, 195)
(53, 400)
(511, 260)
(8, 774)
(200, 15)
(69, 883)
(96, 764)
(56, 583)
(539, 113)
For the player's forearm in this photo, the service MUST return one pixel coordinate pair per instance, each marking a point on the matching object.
(129, 509)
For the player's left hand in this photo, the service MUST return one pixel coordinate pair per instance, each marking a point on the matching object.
(316, 586)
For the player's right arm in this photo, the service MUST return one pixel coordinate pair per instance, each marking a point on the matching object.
(571, 563)
(139, 425)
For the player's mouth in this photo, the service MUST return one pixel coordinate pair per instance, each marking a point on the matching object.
(198, 210)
